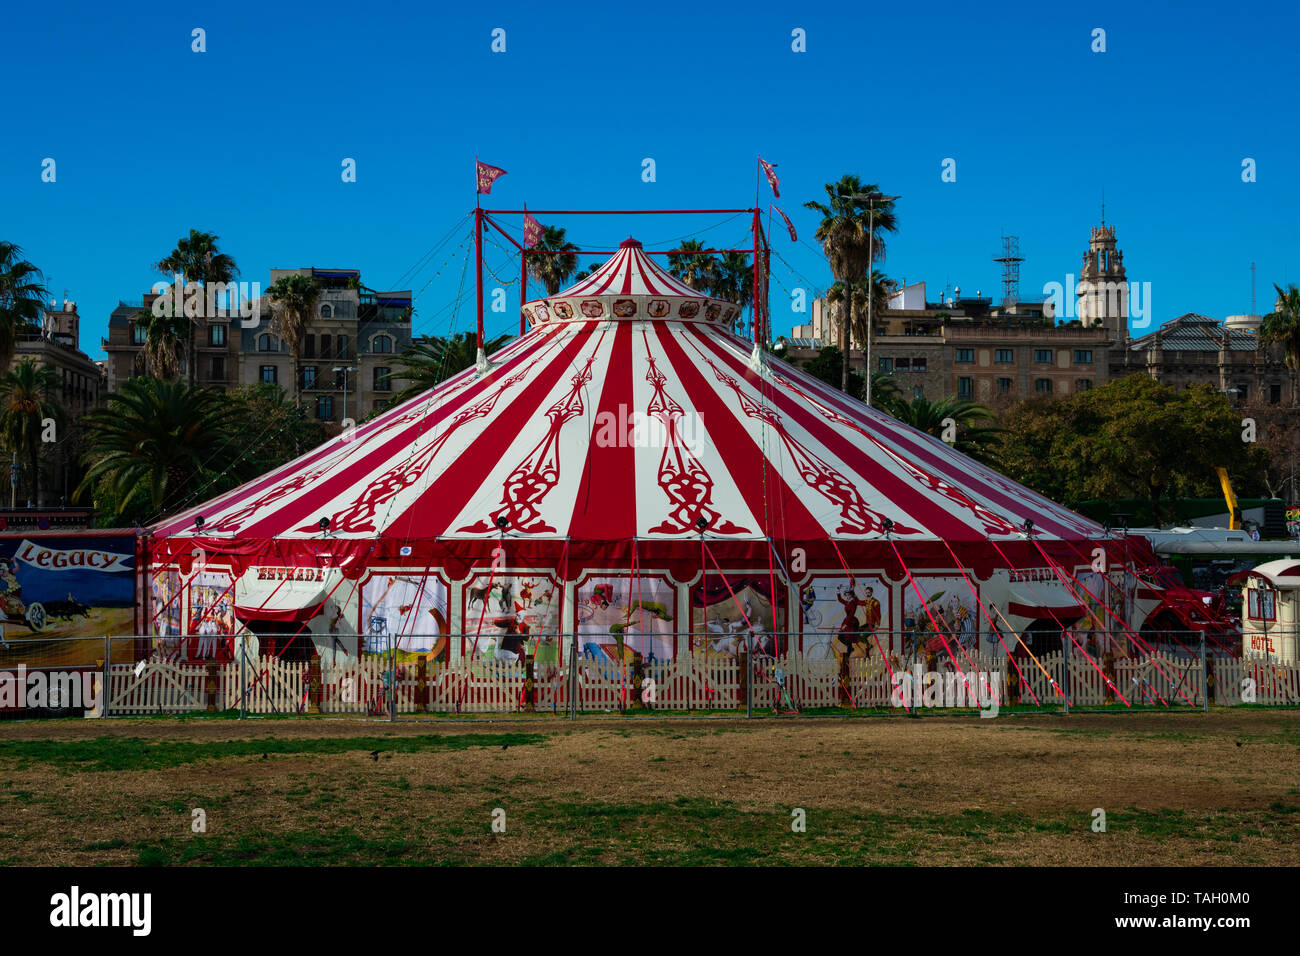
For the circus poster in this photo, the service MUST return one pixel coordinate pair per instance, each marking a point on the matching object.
(409, 609)
(622, 618)
(211, 617)
(945, 611)
(732, 613)
(839, 614)
(511, 617)
(1097, 592)
(167, 604)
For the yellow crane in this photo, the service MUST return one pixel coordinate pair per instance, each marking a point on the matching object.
(1234, 513)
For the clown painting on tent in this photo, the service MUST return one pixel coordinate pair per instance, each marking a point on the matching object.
(948, 613)
(512, 616)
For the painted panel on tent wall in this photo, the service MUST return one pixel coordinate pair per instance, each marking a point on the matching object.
(621, 617)
(836, 608)
(511, 615)
(952, 606)
(1097, 626)
(167, 604)
(64, 587)
(211, 617)
(726, 613)
(412, 607)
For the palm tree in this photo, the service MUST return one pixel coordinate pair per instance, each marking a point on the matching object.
(553, 270)
(934, 418)
(26, 405)
(22, 298)
(734, 282)
(1282, 327)
(700, 272)
(295, 298)
(197, 259)
(166, 338)
(151, 444)
(592, 267)
(427, 362)
(845, 235)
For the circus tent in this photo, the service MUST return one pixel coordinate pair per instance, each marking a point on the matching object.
(630, 436)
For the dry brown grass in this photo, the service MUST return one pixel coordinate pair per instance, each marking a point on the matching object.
(1184, 789)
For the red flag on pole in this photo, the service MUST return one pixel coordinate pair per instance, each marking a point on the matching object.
(788, 224)
(532, 230)
(769, 169)
(487, 175)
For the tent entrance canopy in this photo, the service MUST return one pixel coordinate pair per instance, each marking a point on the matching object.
(1045, 600)
(284, 594)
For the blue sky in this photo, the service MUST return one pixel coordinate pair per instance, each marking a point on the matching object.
(247, 139)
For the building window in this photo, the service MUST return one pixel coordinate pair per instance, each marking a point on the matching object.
(1004, 386)
(1004, 356)
(216, 335)
(268, 374)
(1043, 356)
(903, 365)
(309, 376)
(325, 347)
(309, 346)
(886, 365)
(138, 335)
(965, 355)
(326, 312)
(1043, 386)
(381, 378)
(918, 391)
(264, 343)
(1083, 356)
(1083, 385)
(1274, 394)
(325, 407)
(965, 387)
(382, 344)
(918, 364)
(343, 347)
(218, 368)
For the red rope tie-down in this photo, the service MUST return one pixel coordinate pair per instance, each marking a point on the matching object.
(478, 632)
(1063, 575)
(1064, 630)
(992, 624)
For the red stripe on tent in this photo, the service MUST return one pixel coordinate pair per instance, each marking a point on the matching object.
(324, 499)
(215, 508)
(737, 448)
(1032, 611)
(598, 514)
(966, 474)
(443, 498)
(899, 492)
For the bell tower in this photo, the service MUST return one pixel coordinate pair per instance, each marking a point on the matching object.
(1103, 288)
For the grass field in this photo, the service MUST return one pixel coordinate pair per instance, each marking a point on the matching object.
(1185, 789)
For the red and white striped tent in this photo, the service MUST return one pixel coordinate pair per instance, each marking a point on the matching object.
(630, 434)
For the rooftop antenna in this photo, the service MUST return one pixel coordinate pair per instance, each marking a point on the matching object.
(1010, 259)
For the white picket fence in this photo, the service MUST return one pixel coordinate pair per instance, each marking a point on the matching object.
(1237, 680)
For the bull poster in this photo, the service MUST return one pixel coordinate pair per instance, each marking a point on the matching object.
(61, 594)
